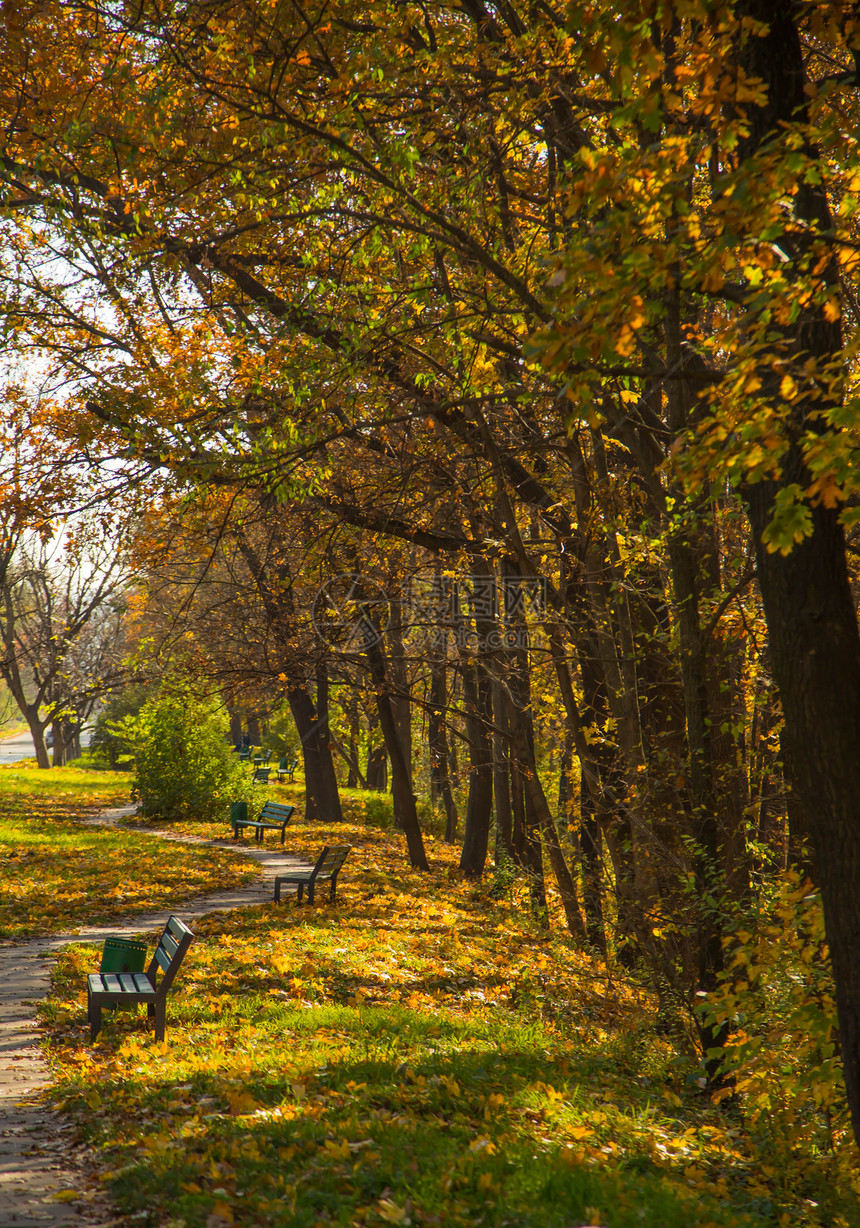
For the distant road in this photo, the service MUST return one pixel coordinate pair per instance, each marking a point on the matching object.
(19, 747)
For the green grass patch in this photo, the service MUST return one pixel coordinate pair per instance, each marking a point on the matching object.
(416, 1054)
(58, 873)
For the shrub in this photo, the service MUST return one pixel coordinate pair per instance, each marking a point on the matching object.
(108, 745)
(184, 766)
(782, 1052)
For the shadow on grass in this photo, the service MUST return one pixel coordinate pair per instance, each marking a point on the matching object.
(375, 1115)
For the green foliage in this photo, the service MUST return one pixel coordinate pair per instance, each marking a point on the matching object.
(281, 733)
(782, 1052)
(368, 807)
(107, 745)
(184, 766)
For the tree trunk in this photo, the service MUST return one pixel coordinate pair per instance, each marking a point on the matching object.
(537, 805)
(322, 799)
(812, 624)
(401, 777)
(479, 808)
(437, 735)
(502, 773)
(401, 699)
(377, 769)
(37, 733)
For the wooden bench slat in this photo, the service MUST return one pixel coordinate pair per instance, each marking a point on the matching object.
(162, 957)
(169, 944)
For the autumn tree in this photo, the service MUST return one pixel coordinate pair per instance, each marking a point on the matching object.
(491, 283)
(63, 630)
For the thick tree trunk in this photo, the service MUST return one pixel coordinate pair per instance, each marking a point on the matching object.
(322, 799)
(255, 732)
(524, 777)
(812, 623)
(592, 869)
(37, 733)
(815, 651)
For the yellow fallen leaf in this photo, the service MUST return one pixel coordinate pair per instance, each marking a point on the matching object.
(392, 1213)
(242, 1103)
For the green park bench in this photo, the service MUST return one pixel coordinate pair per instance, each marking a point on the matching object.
(328, 866)
(273, 817)
(286, 769)
(130, 988)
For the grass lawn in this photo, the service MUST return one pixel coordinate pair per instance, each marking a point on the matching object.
(58, 874)
(416, 1054)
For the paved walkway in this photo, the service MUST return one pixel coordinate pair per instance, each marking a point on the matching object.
(44, 1177)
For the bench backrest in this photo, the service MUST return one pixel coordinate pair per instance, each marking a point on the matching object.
(169, 953)
(331, 859)
(277, 810)
(261, 775)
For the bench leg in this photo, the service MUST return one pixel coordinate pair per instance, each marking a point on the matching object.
(160, 1011)
(94, 1015)
(299, 891)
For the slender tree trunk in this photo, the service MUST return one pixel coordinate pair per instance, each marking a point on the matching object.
(592, 866)
(401, 700)
(437, 735)
(502, 773)
(377, 768)
(401, 776)
(565, 785)
(538, 806)
(479, 809)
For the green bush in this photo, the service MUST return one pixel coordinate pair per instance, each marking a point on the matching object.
(184, 766)
(108, 746)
